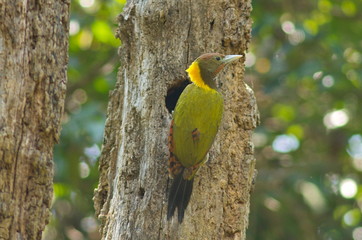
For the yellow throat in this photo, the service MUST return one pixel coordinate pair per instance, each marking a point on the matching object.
(195, 76)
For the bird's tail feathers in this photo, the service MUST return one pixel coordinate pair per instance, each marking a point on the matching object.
(179, 196)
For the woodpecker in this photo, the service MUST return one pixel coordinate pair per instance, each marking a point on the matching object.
(196, 120)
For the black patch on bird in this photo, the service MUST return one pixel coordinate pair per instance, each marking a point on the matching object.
(174, 93)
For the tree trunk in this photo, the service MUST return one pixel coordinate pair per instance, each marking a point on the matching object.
(160, 39)
(33, 64)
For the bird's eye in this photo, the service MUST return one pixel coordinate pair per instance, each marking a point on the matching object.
(218, 58)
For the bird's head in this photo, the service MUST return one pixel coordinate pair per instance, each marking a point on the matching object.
(204, 69)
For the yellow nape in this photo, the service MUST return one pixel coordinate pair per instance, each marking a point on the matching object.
(195, 76)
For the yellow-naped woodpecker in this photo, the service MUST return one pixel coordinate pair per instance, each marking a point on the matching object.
(196, 120)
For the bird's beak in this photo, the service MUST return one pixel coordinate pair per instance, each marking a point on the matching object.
(231, 58)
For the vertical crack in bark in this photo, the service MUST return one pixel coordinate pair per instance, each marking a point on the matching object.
(17, 157)
(188, 34)
(15, 218)
(162, 207)
(17, 166)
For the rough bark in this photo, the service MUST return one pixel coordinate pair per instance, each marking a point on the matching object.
(33, 63)
(160, 39)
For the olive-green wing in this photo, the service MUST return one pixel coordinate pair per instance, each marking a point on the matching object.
(197, 117)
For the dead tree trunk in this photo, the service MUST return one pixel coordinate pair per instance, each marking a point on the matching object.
(160, 39)
(33, 63)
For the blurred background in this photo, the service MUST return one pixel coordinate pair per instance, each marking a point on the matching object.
(305, 66)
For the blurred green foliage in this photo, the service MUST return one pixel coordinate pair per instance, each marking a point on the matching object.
(304, 65)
